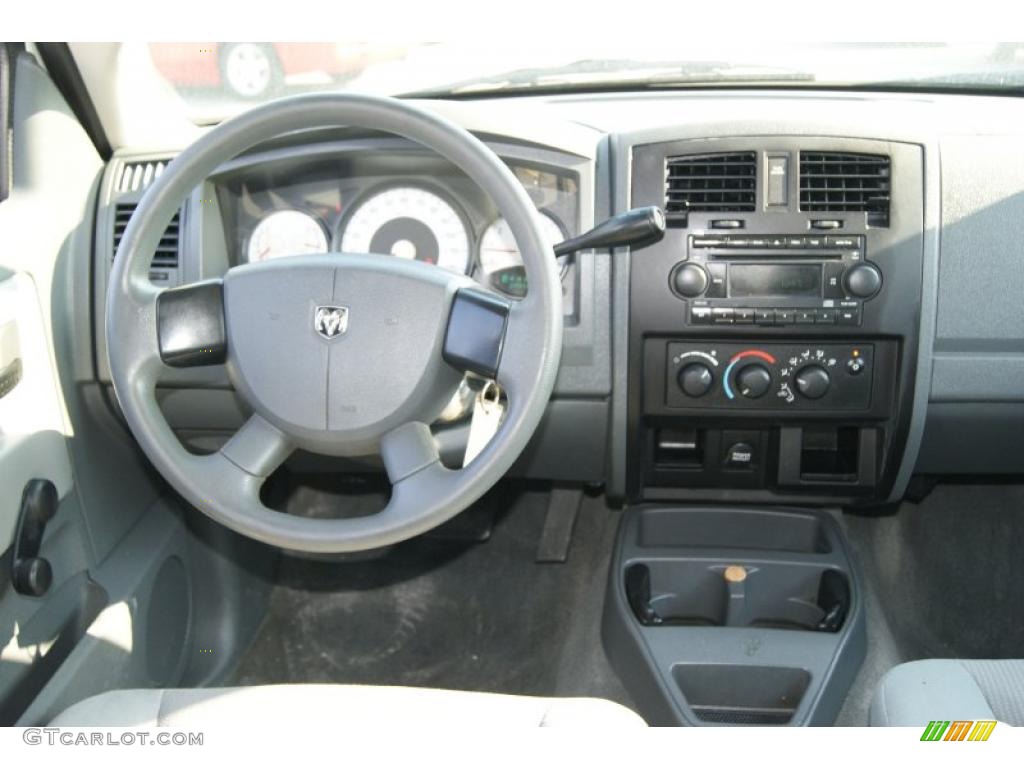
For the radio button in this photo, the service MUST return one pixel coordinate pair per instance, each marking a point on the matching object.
(833, 281)
(848, 316)
(709, 242)
(738, 242)
(744, 316)
(814, 241)
(784, 316)
(758, 242)
(805, 316)
(716, 289)
(764, 316)
(842, 242)
(795, 242)
(700, 315)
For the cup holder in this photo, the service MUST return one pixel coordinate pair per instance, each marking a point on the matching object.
(717, 594)
(700, 601)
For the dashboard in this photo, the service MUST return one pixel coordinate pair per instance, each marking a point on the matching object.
(791, 339)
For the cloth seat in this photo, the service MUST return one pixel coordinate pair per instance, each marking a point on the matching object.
(333, 705)
(918, 692)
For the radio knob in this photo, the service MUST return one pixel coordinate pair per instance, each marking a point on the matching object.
(812, 381)
(862, 280)
(753, 381)
(690, 280)
(696, 379)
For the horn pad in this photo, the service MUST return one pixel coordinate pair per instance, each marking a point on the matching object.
(336, 350)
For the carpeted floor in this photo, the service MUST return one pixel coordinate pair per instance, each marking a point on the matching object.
(451, 614)
(943, 579)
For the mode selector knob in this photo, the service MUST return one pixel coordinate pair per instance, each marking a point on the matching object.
(753, 381)
(812, 381)
(696, 379)
(690, 280)
(862, 280)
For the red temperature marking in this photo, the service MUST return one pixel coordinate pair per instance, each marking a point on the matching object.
(753, 353)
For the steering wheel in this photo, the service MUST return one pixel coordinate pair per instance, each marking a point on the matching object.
(339, 354)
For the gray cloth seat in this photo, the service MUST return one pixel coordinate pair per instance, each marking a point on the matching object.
(279, 706)
(915, 693)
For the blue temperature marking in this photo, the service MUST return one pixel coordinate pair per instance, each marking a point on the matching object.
(725, 379)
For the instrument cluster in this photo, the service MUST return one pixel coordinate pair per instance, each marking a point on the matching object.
(417, 208)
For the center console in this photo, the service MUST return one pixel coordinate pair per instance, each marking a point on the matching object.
(732, 615)
(773, 331)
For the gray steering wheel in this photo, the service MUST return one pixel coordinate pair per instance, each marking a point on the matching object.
(340, 354)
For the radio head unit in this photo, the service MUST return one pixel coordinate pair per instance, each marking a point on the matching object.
(775, 280)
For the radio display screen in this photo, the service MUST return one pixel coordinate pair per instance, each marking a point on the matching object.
(771, 280)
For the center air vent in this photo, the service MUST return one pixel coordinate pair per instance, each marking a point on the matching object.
(724, 182)
(166, 254)
(842, 181)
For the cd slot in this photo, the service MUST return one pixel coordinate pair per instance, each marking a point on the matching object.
(813, 243)
(737, 255)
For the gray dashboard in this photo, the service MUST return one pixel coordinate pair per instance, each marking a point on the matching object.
(970, 356)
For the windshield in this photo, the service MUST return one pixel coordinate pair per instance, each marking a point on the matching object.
(216, 80)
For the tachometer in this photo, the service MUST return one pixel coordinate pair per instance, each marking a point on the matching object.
(501, 264)
(286, 233)
(412, 223)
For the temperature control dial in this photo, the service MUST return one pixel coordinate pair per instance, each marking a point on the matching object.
(753, 381)
(812, 381)
(696, 379)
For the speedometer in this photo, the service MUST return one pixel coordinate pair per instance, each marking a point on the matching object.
(286, 233)
(411, 223)
(500, 260)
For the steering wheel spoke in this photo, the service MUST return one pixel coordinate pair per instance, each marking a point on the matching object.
(407, 450)
(258, 448)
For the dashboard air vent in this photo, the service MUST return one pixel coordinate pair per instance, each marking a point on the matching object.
(166, 255)
(716, 183)
(137, 176)
(841, 181)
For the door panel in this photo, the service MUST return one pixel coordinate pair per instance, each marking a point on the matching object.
(37, 632)
(32, 432)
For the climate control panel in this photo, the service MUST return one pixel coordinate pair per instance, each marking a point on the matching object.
(784, 376)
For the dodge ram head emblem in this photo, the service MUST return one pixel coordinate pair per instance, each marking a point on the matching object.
(330, 322)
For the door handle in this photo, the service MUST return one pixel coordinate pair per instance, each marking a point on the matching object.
(32, 575)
